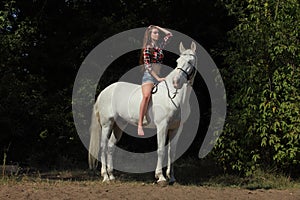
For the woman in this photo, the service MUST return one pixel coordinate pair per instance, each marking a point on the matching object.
(151, 56)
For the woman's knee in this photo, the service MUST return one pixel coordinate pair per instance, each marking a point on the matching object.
(146, 89)
(147, 97)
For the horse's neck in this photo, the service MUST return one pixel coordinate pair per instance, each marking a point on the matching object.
(170, 76)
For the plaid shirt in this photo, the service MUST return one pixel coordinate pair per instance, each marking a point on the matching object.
(155, 55)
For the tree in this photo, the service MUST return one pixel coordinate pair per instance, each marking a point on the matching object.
(21, 91)
(262, 78)
(43, 43)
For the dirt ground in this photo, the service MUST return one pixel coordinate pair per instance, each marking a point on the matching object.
(63, 190)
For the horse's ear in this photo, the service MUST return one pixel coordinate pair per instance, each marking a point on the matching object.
(193, 46)
(181, 48)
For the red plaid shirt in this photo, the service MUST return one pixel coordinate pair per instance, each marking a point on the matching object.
(155, 55)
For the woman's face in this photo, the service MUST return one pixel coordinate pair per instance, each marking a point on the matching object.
(154, 34)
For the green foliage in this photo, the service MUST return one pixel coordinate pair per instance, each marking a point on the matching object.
(263, 87)
(20, 91)
(42, 46)
(33, 119)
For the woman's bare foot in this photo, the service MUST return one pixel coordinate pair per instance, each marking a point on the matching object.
(140, 131)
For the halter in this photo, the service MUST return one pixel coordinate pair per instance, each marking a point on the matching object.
(189, 75)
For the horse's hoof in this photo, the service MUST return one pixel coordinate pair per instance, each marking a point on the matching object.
(162, 183)
(172, 181)
(112, 178)
(105, 180)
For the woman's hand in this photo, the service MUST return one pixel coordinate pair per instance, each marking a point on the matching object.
(151, 26)
(161, 79)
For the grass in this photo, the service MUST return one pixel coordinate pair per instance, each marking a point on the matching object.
(269, 180)
(260, 180)
(204, 173)
(188, 171)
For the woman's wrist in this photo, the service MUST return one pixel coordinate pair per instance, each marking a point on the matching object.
(155, 75)
(160, 79)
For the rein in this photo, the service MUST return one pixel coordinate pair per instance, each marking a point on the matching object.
(170, 95)
(155, 88)
(188, 77)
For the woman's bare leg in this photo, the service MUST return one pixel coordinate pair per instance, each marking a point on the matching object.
(146, 91)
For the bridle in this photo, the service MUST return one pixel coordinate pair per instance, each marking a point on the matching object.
(191, 74)
(188, 75)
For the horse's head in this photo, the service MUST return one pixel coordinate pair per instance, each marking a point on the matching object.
(186, 64)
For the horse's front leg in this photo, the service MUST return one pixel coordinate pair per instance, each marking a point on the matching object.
(173, 139)
(161, 140)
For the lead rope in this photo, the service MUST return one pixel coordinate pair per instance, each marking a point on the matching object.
(169, 91)
(170, 95)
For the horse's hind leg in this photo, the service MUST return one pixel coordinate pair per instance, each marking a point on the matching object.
(114, 138)
(106, 132)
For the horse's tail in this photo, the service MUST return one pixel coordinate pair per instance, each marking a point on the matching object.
(95, 134)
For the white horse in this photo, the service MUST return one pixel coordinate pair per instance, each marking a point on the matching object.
(122, 100)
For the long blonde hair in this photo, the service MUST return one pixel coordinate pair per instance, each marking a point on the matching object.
(147, 40)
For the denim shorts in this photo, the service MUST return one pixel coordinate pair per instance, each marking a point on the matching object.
(148, 78)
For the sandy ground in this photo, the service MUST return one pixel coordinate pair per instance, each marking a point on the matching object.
(84, 185)
(64, 190)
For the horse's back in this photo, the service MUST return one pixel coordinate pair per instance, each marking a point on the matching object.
(120, 99)
(117, 90)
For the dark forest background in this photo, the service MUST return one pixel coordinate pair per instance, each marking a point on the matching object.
(254, 43)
